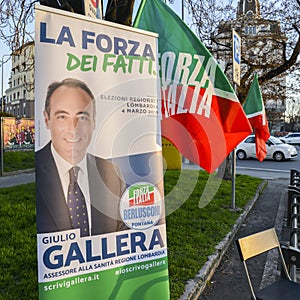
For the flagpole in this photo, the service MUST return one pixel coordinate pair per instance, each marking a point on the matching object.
(233, 170)
(236, 74)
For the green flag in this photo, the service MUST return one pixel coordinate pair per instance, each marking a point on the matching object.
(201, 114)
(255, 111)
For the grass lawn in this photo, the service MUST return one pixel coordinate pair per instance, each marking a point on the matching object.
(192, 232)
(18, 271)
(18, 160)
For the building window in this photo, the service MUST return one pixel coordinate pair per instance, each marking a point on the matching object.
(250, 29)
(264, 28)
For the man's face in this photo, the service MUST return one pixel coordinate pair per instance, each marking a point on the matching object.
(71, 122)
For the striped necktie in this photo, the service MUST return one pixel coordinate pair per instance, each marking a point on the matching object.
(77, 204)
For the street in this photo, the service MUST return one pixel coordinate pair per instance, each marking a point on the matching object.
(268, 169)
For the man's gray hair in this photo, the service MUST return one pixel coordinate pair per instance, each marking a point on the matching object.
(68, 82)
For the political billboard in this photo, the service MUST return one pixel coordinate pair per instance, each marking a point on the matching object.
(18, 133)
(101, 230)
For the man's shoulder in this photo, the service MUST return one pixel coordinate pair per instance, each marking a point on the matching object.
(44, 153)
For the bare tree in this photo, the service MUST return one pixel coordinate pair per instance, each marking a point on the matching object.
(15, 17)
(208, 15)
(272, 58)
(292, 115)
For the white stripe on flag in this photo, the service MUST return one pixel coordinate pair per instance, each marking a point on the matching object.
(227, 95)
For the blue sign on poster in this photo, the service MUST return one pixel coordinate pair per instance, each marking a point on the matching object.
(236, 49)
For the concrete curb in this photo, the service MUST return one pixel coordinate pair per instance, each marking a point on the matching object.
(6, 174)
(195, 287)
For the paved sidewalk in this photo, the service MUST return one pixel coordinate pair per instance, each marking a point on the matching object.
(17, 179)
(229, 279)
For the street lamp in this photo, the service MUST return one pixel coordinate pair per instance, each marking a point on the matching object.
(2, 91)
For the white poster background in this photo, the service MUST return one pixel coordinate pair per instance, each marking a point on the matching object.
(125, 85)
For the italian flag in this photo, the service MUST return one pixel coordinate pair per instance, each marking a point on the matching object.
(200, 113)
(255, 111)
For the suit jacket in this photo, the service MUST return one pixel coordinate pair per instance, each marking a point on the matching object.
(105, 185)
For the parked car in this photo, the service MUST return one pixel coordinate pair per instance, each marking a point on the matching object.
(276, 149)
(292, 138)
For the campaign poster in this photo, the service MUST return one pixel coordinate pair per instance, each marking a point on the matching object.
(18, 133)
(96, 107)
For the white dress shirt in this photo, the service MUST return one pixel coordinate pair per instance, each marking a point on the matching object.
(63, 168)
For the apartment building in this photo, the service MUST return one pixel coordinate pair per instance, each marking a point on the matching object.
(19, 97)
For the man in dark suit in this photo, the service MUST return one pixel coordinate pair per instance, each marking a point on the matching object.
(70, 116)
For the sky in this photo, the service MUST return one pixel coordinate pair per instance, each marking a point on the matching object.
(5, 51)
(7, 66)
